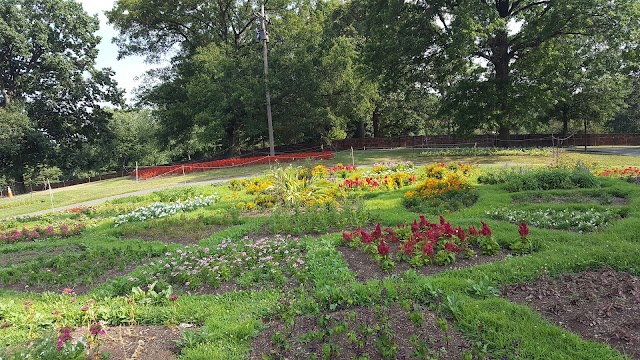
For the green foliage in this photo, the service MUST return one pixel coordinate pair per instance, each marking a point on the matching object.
(487, 151)
(151, 296)
(482, 288)
(541, 179)
(494, 76)
(318, 218)
(45, 349)
(50, 67)
(135, 140)
(488, 244)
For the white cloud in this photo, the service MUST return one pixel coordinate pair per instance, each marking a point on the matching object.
(128, 69)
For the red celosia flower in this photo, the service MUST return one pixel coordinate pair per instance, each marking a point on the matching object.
(424, 222)
(473, 231)
(485, 229)
(427, 249)
(451, 247)
(442, 221)
(383, 249)
(366, 238)
(173, 297)
(447, 229)
(347, 236)
(377, 234)
(523, 229)
(461, 234)
(415, 227)
(408, 248)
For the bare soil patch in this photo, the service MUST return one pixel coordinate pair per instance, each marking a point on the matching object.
(20, 257)
(367, 268)
(362, 333)
(601, 305)
(136, 342)
(78, 288)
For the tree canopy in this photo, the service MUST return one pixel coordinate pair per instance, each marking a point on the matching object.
(496, 65)
(47, 68)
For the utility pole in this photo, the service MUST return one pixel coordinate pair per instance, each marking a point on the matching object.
(263, 36)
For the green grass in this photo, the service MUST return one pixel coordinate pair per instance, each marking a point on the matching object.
(232, 320)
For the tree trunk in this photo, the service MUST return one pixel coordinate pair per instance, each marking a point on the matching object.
(565, 125)
(360, 130)
(376, 122)
(500, 58)
(6, 97)
(504, 136)
(230, 138)
(20, 186)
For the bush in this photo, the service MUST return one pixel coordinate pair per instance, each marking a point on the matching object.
(441, 195)
(544, 179)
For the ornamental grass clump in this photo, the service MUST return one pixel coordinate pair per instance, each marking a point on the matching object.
(160, 209)
(422, 243)
(445, 189)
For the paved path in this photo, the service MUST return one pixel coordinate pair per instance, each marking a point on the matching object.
(135, 193)
(615, 150)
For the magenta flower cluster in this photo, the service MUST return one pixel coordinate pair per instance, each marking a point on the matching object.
(40, 233)
(196, 264)
(64, 335)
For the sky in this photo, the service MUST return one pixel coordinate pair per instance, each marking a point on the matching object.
(128, 69)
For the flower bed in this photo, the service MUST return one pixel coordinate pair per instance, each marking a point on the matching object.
(580, 220)
(445, 189)
(160, 209)
(619, 172)
(423, 243)
(39, 233)
(204, 166)
(266, 260)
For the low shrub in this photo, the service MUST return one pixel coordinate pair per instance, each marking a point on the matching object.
(319, 217)
(435, 195)
(541, 179)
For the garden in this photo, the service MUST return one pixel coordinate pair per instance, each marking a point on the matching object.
(445, 256)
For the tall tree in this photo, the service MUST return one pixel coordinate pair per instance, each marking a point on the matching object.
(486, 58)
(47, 62)
(213, 92)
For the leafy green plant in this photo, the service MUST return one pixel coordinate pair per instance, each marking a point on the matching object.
(541, 179)
(49, 347)
(483, 288)
(151, 296)
(190, 338)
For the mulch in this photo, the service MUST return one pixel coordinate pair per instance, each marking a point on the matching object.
(366, 324)
(601, 305)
